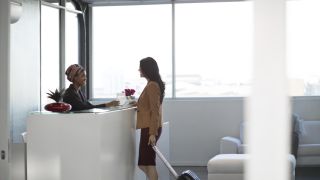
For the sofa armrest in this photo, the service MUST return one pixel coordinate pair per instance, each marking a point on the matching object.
(229, 145)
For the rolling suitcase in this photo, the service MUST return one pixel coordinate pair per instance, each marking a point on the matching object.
(185, 175)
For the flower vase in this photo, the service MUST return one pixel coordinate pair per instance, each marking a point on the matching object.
(130, 99)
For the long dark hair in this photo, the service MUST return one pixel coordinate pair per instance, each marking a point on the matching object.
(150, 70)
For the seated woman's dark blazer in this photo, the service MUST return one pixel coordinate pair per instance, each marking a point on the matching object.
(77, 100)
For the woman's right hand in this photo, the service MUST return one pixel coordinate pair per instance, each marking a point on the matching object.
(152, 140)
(133, 103)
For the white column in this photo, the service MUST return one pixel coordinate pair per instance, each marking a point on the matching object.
(268, 105)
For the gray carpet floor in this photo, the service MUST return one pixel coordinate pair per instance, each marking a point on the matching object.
(308, 173)
(302, 173)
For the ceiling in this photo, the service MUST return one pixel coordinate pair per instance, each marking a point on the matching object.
(111, 2)
(96, 2)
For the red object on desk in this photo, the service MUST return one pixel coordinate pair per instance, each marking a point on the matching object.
(58, 107)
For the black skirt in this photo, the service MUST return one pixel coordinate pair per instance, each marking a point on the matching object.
(147, 156)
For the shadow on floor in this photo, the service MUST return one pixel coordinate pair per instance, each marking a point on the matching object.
(308, 173)
(201, 171)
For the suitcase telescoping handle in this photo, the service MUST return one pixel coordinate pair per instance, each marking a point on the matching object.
(164, 160)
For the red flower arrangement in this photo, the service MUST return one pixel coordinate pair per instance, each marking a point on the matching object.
(129, 92)
(58, 106)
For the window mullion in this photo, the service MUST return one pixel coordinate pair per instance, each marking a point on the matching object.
(62, 42)
(173, 52)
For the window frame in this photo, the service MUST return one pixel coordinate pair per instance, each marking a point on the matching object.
(154, 2)
(62, 36)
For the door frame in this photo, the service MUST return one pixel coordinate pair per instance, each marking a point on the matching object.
(5, 89)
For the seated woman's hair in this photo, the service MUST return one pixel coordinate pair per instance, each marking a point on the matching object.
(73, 70)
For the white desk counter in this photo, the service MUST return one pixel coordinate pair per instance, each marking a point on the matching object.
(91, 145)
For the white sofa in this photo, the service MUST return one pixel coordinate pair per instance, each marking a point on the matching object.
(231, 166)
(309, 144)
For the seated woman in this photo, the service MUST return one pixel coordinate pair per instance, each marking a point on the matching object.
(73, 95)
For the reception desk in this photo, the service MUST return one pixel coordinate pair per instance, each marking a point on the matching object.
(98, 144)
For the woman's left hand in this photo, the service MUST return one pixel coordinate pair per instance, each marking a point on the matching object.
(112, 103)
(152, 140)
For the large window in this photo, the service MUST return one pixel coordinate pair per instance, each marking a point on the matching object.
(303, 43)
(51, 44)
(214, 44)
(213, 47)
(122, 36)
(49, 52)
(71, 40)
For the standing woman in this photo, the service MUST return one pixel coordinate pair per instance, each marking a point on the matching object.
(73, 95)
(149, 116)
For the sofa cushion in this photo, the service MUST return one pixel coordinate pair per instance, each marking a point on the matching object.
(309, 150)
(311, 132)
(229, 145)
(242, 126)
(297, 124)
(243, 148)
(234, 163)
(227, 163)
(308, 160)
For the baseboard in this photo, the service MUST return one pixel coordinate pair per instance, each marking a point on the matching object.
(188, 163)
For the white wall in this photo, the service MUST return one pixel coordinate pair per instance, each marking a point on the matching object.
(24, 78)
(24, 67)
(196, 127)
(307, 107)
